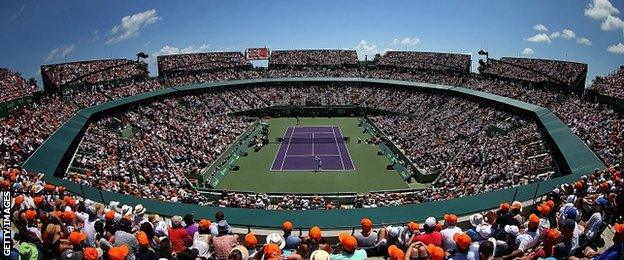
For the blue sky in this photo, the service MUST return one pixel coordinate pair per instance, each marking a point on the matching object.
(41, 32)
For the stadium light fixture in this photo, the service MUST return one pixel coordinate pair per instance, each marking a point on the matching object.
(141, 55)
(483, 52)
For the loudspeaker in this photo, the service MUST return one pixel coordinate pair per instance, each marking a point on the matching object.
(379, 153)
(390, 167)
(235, 168)
(244, 154)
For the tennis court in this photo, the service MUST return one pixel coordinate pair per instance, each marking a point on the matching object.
(369, 173)
(313, 148)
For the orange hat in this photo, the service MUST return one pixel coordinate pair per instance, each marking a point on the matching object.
(204, 223)
(619, 229)
(30, 214)
(48, 187)
(68, 215)
(5, 184)
(272, 251)
(287, 226)
(118, 253)
(436, 252)
(413, 226)
(550, 204)
(38, 200)
(66, 198)
(438, 227)
(367, 224)
(534, 220)
(544, 209)
(348, 242)
(61, 189)
(553, 234)
(90, 253)
(504, 207)
(462, 240)
(315, 233)
(110, 215)
(251, 240)
(142, 238)
(451, 219)
(19, 199)
(578, 185)
(75, 238)
(395, 253)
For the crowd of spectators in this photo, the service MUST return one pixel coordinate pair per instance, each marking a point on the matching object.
(570, 222)
(13, 86)
(598, 125)
(201, 61)
(24, 130)
(93, 71)
(52, 222)
(447, 127)
(344, 58)
(611, 85)
(537, 70)
(426, 60)
(147, 151)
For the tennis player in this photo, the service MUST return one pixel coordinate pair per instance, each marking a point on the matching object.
(319, 163)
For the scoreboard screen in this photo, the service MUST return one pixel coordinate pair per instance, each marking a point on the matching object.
(257, 53)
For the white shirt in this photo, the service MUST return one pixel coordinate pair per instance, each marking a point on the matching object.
(472, 254)
(594, 224)
(527, 240)
(448, 243)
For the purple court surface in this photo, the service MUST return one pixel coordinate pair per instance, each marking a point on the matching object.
(313, 148)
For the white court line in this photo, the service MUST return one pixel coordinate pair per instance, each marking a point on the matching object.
(337, 147)
(287, 147)
(312, 142)
(312, 155)
(346, 148)
(277, 153)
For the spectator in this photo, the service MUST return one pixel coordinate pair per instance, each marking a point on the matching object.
(430, 236)
(292, 241)
(180, 239)
(223, 242)
(348, 248)
(448, 243)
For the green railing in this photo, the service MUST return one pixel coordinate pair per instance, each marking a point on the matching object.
(576, 159)
(233, 153)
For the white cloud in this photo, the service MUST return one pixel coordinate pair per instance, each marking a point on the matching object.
(168, 50)
(541, 37)
(617, 49)
(131, 26)
(60, 52)
(540, 27)
(17, 14)
(583, 41)
(600, 9)
(96, 35)
(528, 52)
(406, 41)
(568, 34)
(555, 35)
(612, 23)
(365, 48)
